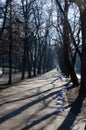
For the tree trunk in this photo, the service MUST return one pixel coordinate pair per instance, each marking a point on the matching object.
(3, 65)
(70, 70)
(39, 67)
(4, 21)
(10, 46)
(83, 58)
(40, 60)
(68, 66)
(24, 61)
(29, 63)
(35, 60)
(10, 63)
(44, 62)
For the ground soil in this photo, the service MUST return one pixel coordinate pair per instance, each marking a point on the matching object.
(30, 105)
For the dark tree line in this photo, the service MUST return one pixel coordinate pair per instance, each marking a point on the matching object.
(25, 41)
(74, 41)
(32, 31)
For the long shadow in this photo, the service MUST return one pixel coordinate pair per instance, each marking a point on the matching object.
(21, 109)
(18, 80)
(7, 85)
(34, 95)
(52, 117)
(46, 78)
(35, 87)
(73, 113)
(45, 105)
(28, 105)
(39, 120)
(71, 87)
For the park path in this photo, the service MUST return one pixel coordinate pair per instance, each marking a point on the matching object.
(30, 105)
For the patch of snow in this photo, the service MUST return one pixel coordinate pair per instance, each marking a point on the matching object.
(59, 98)
(59, 102)
(58, 110)
(1, 72)
(79, 76)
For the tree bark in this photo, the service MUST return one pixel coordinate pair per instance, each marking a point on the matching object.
(83, 58)
(10, 46)
(4, 21)
(68, 66)
(24, 59)
(29, 63)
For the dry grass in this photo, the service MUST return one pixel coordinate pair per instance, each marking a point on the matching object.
(72, 94)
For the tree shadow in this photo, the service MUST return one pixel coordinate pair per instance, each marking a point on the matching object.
(72, 86)
(73, 113)
(44, 118)
(28, 105)
(33, 95)
(44, 96)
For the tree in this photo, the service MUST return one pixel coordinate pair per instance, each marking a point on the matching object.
(11, 43)
(26, 6)
(4, 20)
(83, 58)
(66, 43)
(82, 7)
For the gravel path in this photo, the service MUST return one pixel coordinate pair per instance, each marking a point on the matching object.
(30, 105)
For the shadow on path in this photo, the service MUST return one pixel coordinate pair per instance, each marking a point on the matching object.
(34, 95)
(41, 94)
(73, 113)
(40, 120)
(28, 105)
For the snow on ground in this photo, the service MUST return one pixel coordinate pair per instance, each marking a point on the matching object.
(0, 71)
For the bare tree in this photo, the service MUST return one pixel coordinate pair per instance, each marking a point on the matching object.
(83, 58)
(10, 44)
(4, 19)
(66, 42)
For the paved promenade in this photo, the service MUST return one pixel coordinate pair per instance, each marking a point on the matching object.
(30, 105)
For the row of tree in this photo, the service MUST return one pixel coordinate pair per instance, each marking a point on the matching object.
(33, 31)
(25, 42)
(72, 38)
